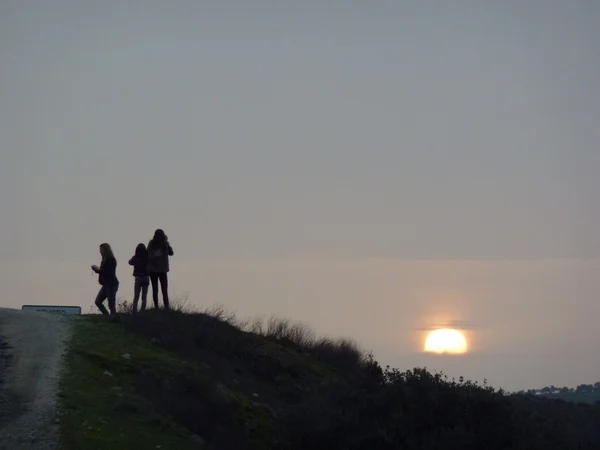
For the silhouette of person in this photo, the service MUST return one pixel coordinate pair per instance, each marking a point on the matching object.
(159, 251)
(139, 261)
(107, 277)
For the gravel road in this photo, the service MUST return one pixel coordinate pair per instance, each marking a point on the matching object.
(31, 350)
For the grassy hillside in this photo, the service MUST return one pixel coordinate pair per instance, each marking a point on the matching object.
(173, 380)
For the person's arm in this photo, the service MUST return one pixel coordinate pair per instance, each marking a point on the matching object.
(132, 261)
(170, 249)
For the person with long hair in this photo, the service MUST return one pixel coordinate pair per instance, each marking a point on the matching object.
(107, 277)
(159, 250)
(139, 261)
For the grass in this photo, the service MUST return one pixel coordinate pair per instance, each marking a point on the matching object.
(101, 408)
(342, 352)
(205, 376)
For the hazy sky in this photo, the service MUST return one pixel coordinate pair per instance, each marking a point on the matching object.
(369, 169)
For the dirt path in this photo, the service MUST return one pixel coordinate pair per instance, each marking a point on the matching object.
(31, 349)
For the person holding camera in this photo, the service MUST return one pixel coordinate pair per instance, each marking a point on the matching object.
(159, 250)
(107, 277)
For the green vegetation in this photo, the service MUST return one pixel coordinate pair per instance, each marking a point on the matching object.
(205, 380)
(101, 406)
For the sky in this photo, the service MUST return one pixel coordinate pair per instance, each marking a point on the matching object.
(371, 170)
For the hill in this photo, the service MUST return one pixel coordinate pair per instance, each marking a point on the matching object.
(176, 380)
(584, 393)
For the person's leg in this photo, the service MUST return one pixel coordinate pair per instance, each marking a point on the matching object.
(164, 287)
(100, 300)
(154, 281)
(144, 293)
(137, 287)
(111, 292)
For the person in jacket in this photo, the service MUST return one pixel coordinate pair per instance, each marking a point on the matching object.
(139, 261)
(159, 251)
(107, 277)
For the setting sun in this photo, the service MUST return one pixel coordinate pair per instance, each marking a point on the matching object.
(446, 341)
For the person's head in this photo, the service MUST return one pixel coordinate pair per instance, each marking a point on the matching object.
(141, 251)
(159, 236)
(106, 251)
